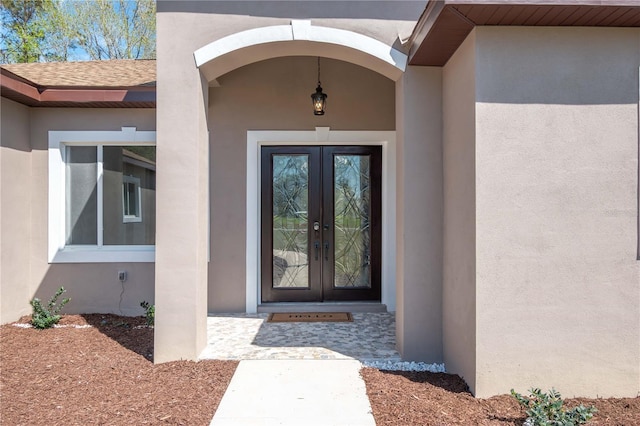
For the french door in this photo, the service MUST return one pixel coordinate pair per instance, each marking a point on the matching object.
(320, 223)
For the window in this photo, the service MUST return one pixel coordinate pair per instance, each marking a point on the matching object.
(100, 184)
(131, 209)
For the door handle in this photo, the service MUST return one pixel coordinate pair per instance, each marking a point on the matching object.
(326, 250)
(317, 247)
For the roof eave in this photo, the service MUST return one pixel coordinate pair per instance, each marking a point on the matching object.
(20, 90)
(442, 27)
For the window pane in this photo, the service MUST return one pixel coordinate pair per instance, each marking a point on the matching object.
(129, 194)
(131, 200)
(81, 195)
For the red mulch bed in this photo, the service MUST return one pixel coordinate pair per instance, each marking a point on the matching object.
(105, 375)
(429, 399)
(102, 375)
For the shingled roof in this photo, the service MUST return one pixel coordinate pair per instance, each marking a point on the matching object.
(113, 73)
(123, 83)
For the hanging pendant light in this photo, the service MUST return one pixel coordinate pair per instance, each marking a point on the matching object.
(318, 98)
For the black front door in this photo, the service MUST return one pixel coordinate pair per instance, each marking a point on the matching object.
(321, 223)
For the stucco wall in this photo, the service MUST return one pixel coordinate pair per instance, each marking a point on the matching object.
(382, 20)
(419, 215)
(15, 210)
(459, 265)
(274, 95)
(558, 280)
(92, 287)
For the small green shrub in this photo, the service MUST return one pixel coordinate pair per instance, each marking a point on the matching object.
(546, 409)
(46, 317)
(149, 312)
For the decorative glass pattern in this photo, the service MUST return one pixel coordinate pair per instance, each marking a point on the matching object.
(352, 233)
(290, 221)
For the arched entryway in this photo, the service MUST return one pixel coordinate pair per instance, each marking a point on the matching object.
(186, 128)
(300, 38)
(219, 60)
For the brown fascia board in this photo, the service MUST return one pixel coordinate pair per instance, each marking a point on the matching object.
(28, 93)
(424, 25)
(440, 37)
(441, 28)
(541, 2)
(14, 83)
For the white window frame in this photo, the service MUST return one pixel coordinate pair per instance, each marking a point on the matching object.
(129, 218)
(58, 252)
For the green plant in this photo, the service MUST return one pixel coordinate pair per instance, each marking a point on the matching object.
(546, 409)
(149, 312)
(46, 317)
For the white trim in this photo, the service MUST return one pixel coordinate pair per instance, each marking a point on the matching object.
(301, 38)
(322, 136)
(237, 41)
(105, 254)
(57, 251)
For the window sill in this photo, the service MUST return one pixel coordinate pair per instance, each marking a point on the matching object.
(105, 254)
(131, 219)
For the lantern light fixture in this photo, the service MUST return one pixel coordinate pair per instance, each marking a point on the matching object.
(318, 98)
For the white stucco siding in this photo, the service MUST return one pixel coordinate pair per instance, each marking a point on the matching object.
(558, 280)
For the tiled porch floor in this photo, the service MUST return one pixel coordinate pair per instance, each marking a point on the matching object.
(370, 337)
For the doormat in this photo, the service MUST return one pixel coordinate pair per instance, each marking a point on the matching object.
(310, 317)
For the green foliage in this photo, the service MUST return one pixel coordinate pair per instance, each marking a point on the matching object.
(150, 312)
(61, 30)
(547, 409)
(22, 24)
(46, 317)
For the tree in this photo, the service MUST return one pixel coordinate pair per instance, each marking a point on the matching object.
(60, 30)
(23, 30)
(109, 29)
(61, 40)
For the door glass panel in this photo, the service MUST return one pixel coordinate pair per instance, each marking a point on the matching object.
(352, 234)
(290, 221)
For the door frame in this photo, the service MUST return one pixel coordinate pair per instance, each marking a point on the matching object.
(321, 136)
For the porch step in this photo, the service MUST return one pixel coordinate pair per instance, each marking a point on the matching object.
(268, 308)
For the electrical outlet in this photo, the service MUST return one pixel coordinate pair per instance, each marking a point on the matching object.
(122, 276)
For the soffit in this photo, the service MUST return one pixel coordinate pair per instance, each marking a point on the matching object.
(446, 23)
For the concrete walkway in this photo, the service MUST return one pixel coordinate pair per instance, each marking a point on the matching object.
(298, 374)
(294, 393)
